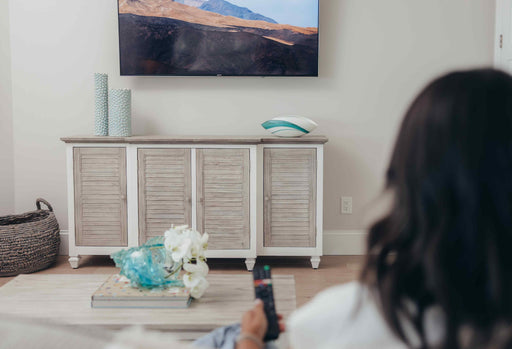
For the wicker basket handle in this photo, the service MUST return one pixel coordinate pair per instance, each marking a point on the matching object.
(38, 204)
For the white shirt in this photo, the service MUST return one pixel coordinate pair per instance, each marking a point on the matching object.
(347, 316)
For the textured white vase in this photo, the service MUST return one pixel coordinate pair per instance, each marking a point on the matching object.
(100, 104)
(120, 112)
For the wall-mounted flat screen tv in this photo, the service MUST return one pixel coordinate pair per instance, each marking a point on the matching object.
(219, 37)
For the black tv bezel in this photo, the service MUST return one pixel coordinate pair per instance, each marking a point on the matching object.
(219, 74)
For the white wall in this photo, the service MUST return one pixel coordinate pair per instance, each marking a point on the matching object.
(374, 57)
(6, 146)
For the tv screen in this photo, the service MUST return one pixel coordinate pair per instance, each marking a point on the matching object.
(218, 37)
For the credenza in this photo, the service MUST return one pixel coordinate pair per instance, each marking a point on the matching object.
(255, 196)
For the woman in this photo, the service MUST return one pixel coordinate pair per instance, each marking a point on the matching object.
(439, 267)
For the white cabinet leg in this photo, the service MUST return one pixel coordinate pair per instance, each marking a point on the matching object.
(73, 261)
(315, 261)
(249, 262)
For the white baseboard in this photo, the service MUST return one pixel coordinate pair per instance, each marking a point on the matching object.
(336, 242)
(344, 242)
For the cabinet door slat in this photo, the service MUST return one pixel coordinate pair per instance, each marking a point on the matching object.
(289, 188)
(164, 190)
(100, 204)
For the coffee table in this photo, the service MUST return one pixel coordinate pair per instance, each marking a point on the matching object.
(67, 299)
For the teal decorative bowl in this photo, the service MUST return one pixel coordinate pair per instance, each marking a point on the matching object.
(289, 126)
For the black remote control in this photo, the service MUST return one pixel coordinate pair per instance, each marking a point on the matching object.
(263, 290)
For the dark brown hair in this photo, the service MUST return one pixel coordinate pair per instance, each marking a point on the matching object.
(447, 240)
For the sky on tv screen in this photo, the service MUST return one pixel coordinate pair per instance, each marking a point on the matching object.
(302, 13)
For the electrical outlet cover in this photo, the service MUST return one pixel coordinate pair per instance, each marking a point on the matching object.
(346, 205)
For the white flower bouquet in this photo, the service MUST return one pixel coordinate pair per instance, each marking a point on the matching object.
(187, 248)
(160, 261)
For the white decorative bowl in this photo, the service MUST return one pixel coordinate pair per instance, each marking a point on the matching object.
(289, 126)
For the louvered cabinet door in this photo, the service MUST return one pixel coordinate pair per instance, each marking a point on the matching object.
(289, 210)
(164, 190)
(223, 197)
(100, 196)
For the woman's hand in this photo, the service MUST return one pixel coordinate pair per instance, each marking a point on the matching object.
(254, 321)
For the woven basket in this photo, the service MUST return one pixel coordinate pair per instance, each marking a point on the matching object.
(28, 242)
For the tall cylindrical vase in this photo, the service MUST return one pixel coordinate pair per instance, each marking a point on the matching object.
(120, 112)
(101, 104)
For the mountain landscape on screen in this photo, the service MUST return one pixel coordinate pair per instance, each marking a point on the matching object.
(226, 8)
(216, 37)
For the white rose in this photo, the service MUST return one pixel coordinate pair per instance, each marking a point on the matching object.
(196, 283)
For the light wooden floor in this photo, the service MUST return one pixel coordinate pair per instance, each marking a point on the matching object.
(333, 270)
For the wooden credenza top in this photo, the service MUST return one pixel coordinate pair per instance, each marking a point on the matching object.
(311, 139)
